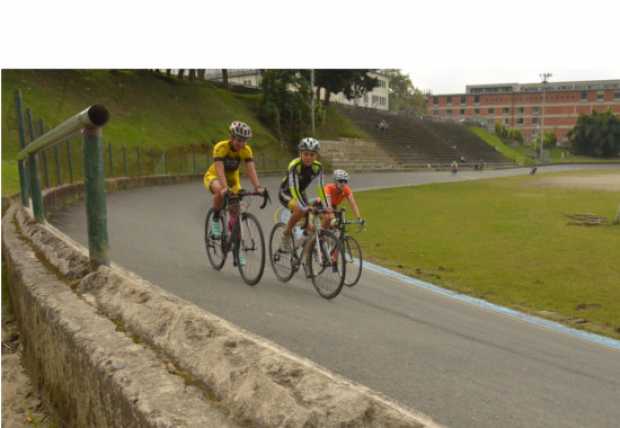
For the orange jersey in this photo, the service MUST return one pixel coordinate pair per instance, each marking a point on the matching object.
(336, 196)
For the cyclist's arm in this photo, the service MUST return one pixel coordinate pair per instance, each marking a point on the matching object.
(221, 173)
(250, 168)
(354, 206)
(321, 191)
(328, 195)
(293, 183)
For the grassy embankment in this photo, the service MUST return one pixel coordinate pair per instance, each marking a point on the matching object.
(150, 111)
(525, 154)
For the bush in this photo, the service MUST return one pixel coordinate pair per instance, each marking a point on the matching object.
(596, 135)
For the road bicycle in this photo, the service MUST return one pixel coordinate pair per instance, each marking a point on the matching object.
(352, 249)
(241, 234)
(319, 252)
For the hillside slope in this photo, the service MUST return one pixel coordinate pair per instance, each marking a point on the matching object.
(146, 109)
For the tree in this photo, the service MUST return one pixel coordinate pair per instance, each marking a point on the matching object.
(352, 83)
(515, 135)
(225, 77)
(500, 130)
(181, 73)
(550, 141)
(403, 95)
(192, 74)
(596, 135)
(285, 106)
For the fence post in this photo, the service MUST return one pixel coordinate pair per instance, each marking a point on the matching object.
(35, 185)
(110, 163)
(69, 161)
(164, 157)
(125, 161)
(46, 175)
(58, 169)
(193, 160)
(24, 183)
(96, 208)
(138, 159)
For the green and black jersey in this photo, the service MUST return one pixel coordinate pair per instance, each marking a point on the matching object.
(298, 179)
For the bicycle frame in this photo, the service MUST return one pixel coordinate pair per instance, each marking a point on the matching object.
(342, 223)
(232, 205)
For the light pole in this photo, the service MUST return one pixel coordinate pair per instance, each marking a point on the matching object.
(544, 77)
(312, 100)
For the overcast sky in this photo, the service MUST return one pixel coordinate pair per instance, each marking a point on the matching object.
(443, 45)
(445, 81)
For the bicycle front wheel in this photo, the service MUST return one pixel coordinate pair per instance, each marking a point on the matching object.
(326, 265)
(215, 246)
(353, 260)
(283, 263)
(251, 250)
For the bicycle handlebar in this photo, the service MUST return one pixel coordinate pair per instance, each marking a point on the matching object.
(229, 196)
(340, 216)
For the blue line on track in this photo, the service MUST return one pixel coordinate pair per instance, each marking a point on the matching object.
(601, 340)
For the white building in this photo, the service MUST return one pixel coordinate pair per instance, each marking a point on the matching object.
(378, 98)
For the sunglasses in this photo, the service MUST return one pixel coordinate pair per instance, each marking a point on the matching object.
(342, 181)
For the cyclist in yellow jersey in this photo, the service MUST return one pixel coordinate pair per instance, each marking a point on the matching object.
(223, 174)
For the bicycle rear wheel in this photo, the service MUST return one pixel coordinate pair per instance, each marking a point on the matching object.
(284, 264)
(251, 250)
(353, 260)
(326, 265)
(216, 247)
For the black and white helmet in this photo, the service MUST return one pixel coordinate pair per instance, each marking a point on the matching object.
(309, 144)
(240, 130)
(341, 175)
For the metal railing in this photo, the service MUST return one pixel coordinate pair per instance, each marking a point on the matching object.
(89, 122)
(54, 158)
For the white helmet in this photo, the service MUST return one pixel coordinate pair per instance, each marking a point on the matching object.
(309, 144)
(240, 130)
(341, 175)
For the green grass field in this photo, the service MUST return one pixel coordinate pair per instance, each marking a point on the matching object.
(506, 241)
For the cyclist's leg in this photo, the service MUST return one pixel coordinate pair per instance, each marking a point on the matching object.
(234, 182)
(327, 218)
(212, 183)
(297, 214)
(289, 202)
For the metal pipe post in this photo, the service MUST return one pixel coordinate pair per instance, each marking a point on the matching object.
(46, 174)
(35, 185)
(24, 184)
(96, 208)
(125, 169)
(58, 168)
(110, 163)
(69, 161)
(193, 159)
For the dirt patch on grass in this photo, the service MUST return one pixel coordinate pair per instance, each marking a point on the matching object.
(607, 182)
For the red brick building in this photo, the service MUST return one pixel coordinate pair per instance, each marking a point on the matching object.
(527, 106)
